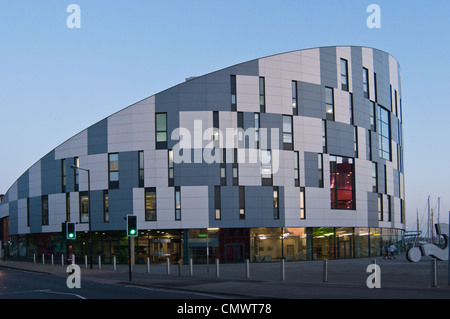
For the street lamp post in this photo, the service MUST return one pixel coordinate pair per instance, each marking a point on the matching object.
(89, 210)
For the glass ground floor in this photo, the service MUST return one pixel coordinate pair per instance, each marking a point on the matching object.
(229, 245)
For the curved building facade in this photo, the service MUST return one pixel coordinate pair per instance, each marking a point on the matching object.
(297, 155)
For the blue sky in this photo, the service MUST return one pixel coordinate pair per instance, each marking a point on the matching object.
(56, 81)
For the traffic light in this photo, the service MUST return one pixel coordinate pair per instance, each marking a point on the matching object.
(70, 231)
(132, 230)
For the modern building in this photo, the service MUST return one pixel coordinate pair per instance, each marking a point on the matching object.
(297, 155)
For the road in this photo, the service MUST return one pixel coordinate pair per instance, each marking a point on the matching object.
(19, 284)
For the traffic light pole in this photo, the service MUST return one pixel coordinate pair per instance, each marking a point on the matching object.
(129, 257)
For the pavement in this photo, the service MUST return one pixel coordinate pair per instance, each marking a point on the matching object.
(345, 278)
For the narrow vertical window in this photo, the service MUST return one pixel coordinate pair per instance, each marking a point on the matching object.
(402, 212)
(375, 86)
(67, 207)
(257, 127)
(233, 92)
(287, 132)
(369, 145)
(44, 204)
(216, 129)
(262, 95)
(372, 117)
(355, 140)
(350, 105)
(28, 212)
(235, 168)
(385, 180)
(344, 75)
(171, 167)
(294, 98)
(217, 203)
(384, 130)
(266, 167)
(84, 207)
(380, 207)
(76, 181)
(240, 127)
(329, 103)
(374, 177)
(302, 203)
(276, 204)
(396, 103)
(223, 168)
(241, 202)
(296, 169)
(141, 168)
(320, 169)
(366, 83)
(177, 203)
(161, 130)
(63, 176)
(105, 206)
(150, 204)
(113, 170)
(342, 190)
(389, 208)
(324, 136)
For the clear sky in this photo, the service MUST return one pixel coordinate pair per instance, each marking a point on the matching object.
(56, 81)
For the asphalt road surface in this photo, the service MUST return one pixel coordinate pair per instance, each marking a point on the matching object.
(19, 284)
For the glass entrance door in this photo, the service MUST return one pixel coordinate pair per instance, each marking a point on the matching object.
(234, 253)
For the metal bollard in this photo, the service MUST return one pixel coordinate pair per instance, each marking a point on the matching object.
(99, 262)
(434, 278)
(34, 258)
(114, 263)
(43, 259)
(168, 265)
(85, 261)
(52, 260)
(283, 269)
(247, 269)
(148, 265)
(217, 268)
(191, 268)
(62, 260)
(325, 270)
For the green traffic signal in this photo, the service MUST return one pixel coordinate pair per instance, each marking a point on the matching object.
(131, 225)
(70, 231)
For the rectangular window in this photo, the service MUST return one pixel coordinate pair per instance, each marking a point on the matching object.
(352, 121)
(329, 103)
(240, 127)
(366, 82)
(372, 117)
(233, 90)
(369, 145)
(44, 202)
(287, 132)
(324, 136)
(355, 140)
(294, 98)
(105, 206)
(385, 180)
(320, 169)
(380, 207)
(141, 168)
(276, 204)
(161, 130)
(28, 212)
(389, 208)
(384, 130)
(171, 167)
(296, 169)
(84, 207)
(241, 202)
(177, 203)
(150, 204)
(302, 203)
(113, 170)
(344, 75)
(67, 207)
(63, 176)
(266, 167)
(262, 95)
(217, 203)
(223, 168)
(402, 212)
(257, 127)
(374, 177)
(235, 168)
(342, 190)
(76, 180)
(396, 103)
(216, 129)
(375, 86)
